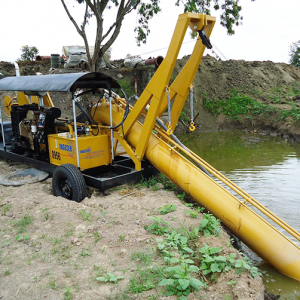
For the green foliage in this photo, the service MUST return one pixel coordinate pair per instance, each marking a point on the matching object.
(23, 223)
(167, 208)
(127, 86)
(28, 52)
(181, 196)
(179, 280)
(192, 214)
(212, 262)
(146, 10)
(5, 209)
(68, 293)
(294, 112)
(159, 226)
(238, 104)
(210, 225)
(295, 54)
(85, 216)
(150, 183)
(110, 277)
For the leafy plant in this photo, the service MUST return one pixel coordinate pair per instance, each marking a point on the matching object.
(181, 196)
(110, 277)
(210, 225)
(232, 283)
(211, 262)
(192, 214)
(97, 237)
(85, 216)
(68, 293)
(179, 281)
(167, 208)
(159, 226)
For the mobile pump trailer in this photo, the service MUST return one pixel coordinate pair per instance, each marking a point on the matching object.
(85, 153)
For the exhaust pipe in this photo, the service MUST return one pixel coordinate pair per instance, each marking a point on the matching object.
(17, 69)
(154, 61)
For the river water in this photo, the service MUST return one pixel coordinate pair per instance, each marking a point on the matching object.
(266, 167)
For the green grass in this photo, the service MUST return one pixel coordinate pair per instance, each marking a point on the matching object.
(23, 223)
(238, 104)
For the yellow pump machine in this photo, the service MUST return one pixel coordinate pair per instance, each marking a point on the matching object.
(80, 153)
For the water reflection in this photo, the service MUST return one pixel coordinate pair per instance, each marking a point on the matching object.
(268, 168)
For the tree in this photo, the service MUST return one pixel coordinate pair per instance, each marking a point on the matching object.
(295, 54)
(146, 10)
(28, 52)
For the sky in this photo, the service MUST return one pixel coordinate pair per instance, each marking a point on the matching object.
(269, 28)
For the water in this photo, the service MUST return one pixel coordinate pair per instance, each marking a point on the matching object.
(268, 168)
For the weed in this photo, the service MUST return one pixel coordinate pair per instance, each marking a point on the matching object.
(5, 209)
(181, 196)
(23, 223)
(232, 283)
(21, 238)
(238, 104)
(122, 238)
(179, 281)
(141, 256)
(7, 272)
(127, 86)
(294, 112)
(85, 252)
(85, 216)
(145, 278)
(52, 284)
(97, 237)
(192, 214)
(150, 182)
(211, 262)
(159, 226)
(167, 208)
(68, 293)
(210, 225)
(110, 277)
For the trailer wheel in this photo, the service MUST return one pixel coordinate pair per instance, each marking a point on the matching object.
(69, 183)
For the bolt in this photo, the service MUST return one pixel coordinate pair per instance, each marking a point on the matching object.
(195, 27)
(134, 154)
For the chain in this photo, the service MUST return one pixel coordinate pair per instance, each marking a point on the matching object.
(169, 131)
(215, 54)
(192, 125)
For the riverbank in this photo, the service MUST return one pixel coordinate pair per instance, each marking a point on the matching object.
(67, 248)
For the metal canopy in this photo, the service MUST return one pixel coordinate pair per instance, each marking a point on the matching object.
(57, 82)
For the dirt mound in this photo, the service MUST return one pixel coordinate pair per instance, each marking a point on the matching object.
(57, 248)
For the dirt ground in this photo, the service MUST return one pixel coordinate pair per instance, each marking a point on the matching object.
(52, 248)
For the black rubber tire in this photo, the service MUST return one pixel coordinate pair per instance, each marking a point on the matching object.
(68, 182)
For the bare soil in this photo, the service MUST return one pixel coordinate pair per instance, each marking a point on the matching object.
(52, 248)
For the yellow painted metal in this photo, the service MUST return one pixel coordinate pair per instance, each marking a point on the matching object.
(129, 151)
(47, 100)
(155, 90)
(7, 102)
(270, 244)
(93, 150)
(179, 89)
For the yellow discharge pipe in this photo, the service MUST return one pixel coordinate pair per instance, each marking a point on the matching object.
(234, 187)
(254, 231)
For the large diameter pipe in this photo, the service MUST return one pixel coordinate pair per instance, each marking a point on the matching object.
(254, 231)
(154, 61)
